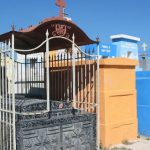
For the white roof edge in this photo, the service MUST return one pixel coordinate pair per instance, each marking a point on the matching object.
(125, 37)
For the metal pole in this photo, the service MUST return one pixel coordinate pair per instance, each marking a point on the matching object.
(73, 71)
(0, 100)
(47, 71)
(25, 74)
(6, 101)
(3, 99)
(98, 98)
(10, 115)
(13, 94)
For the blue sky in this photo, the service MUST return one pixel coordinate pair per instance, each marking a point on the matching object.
(96, 17)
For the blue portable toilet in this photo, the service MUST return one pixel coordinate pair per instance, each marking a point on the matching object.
(127, 46)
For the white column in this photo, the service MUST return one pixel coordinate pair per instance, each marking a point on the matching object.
(6, 98)
(3, 98)
(73, 71)
(13, 93)
(47, 71)
(98, 97)
(0, 98)
(10, 115)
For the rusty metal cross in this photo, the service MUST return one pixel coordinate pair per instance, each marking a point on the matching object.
(61, 4)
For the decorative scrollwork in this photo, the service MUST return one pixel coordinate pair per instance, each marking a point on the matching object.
(61, 30)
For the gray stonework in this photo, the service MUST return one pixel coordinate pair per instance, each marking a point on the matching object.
(61, 129)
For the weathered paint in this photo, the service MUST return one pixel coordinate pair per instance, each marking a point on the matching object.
(118, 101)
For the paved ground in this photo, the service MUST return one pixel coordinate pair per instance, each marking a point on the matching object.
(141, 144)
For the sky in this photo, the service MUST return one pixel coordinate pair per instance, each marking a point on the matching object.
(96, 17)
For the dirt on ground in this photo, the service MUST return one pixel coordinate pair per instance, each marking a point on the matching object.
(141, 143)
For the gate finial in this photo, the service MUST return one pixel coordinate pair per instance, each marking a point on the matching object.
(47, 33)
(61, 4)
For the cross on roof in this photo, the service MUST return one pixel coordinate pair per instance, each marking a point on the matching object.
(61, 4)
(13, 27)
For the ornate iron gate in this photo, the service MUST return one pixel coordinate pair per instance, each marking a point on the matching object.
(7, 92)
(63, 130)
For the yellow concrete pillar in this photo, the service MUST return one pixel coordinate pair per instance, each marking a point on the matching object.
(118, 101)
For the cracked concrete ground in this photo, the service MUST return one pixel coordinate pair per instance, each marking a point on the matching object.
(142, 143)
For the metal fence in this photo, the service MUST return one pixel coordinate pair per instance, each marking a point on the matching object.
(61, 80)
(72, 76)
(29, 75)
(30, 78)
(7, 98)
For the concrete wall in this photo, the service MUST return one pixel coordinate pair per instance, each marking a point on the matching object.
(118, 101)
(143, 102)
(127, 49)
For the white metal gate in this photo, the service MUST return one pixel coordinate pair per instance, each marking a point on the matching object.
(7, 91)
(7, 96)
